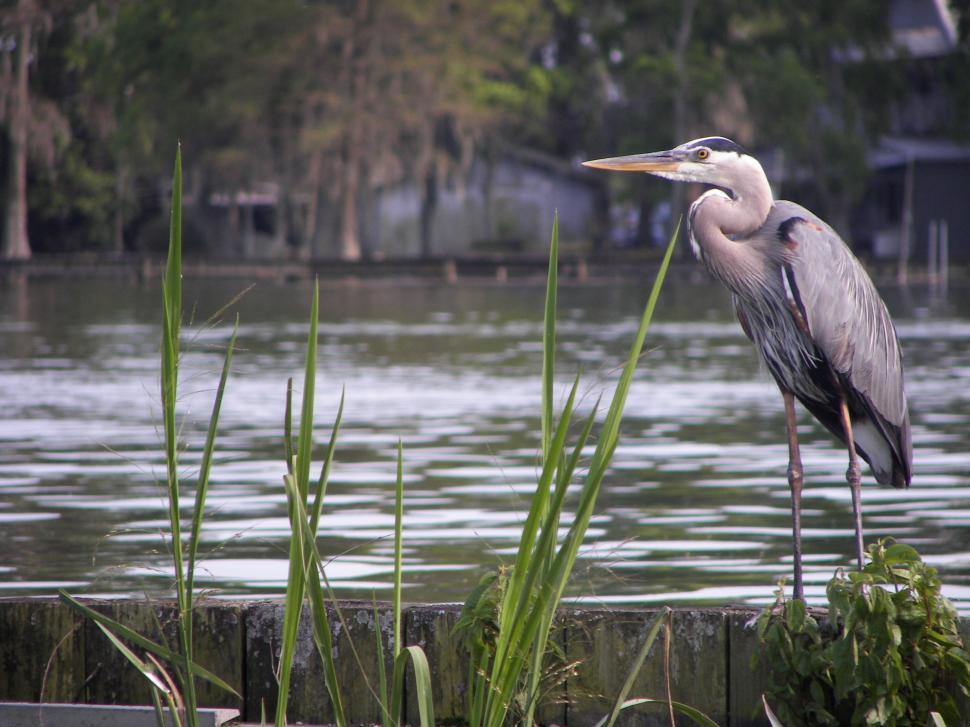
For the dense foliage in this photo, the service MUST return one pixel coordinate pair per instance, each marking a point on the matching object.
(888, 653)
(320, 105)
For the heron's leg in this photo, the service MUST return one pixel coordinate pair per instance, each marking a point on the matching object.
(795, 480)
(854, 477)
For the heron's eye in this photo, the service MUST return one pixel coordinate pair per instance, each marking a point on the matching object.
(703, 154)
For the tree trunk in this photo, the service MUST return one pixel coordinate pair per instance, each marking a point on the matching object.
(429, 204)
(354, 140)
(16, 243)
(281, 219)
(310, 220)
(488, 193)
(248, 230)
(677, 194)
(349, 233)
(121, 183)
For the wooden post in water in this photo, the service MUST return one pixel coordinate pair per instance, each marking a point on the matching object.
(944, 256)
(906, 225)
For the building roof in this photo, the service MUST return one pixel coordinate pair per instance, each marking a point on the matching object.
(894, 151)
(924, 28)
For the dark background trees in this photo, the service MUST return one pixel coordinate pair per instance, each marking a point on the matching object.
(318, 106)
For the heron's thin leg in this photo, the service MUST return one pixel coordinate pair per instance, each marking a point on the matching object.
(854, 477)
(795, 480)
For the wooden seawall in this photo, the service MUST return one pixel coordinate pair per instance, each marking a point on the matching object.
(47, 653)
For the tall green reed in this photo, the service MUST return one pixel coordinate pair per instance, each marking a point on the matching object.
(505, 676)
(308, 579)
(178, 691)
(529, 595)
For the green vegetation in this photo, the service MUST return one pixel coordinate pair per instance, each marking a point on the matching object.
(506, 670)
(175, 684)
(889, 652)
(507, 665)
(327, 103)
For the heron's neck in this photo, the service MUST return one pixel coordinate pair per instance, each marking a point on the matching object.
(724, 229)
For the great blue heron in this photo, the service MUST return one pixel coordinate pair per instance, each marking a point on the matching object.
(807, 305)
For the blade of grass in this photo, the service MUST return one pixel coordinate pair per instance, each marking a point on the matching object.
(146, 670)
(549, 338)
(695, 714)
(325, 469)
(157, 704)
(524, 610)
(322, 637)
(522, 576)
(772, 718)
(381, 669)
(398, 536)
(422, 684)
(205, 469)
(295, 586)
(288, 427)
(511, 649)
(548, 379)
(171, 329)
(548, 611)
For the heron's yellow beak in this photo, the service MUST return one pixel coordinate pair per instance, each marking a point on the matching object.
(654, 162)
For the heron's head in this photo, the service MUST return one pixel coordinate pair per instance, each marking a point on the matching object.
(711, 160)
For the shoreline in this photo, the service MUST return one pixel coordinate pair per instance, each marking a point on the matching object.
(500, 269)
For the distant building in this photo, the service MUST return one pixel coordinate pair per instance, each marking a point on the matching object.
(505, 205)
(931, 177)
(500, 206)
(919, 180)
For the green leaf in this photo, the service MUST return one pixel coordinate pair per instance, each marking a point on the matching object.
(147, 670)
(422, 684)
(695, 714)
(900, 553)
(138, 640)
(775, 722)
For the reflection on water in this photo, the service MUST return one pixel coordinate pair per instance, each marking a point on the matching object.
(695, 508)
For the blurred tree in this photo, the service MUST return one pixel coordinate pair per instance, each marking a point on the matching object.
(33, 124)
(958, 71)
(819, 85)
(415, 86)
(810, 79)
(318, 105)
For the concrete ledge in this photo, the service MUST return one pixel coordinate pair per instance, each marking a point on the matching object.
(25, 714)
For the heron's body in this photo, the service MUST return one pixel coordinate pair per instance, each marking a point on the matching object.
(823, 343)
(807, 305)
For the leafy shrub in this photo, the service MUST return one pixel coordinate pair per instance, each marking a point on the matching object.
(889, 652)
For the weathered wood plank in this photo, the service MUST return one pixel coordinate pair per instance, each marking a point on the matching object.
(710, 660)
(746, 681)
(430, 627)
(308, 699)
(34, 633)
(606, 643)
(217, 642)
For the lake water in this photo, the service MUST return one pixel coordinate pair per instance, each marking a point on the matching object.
(694, 510)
